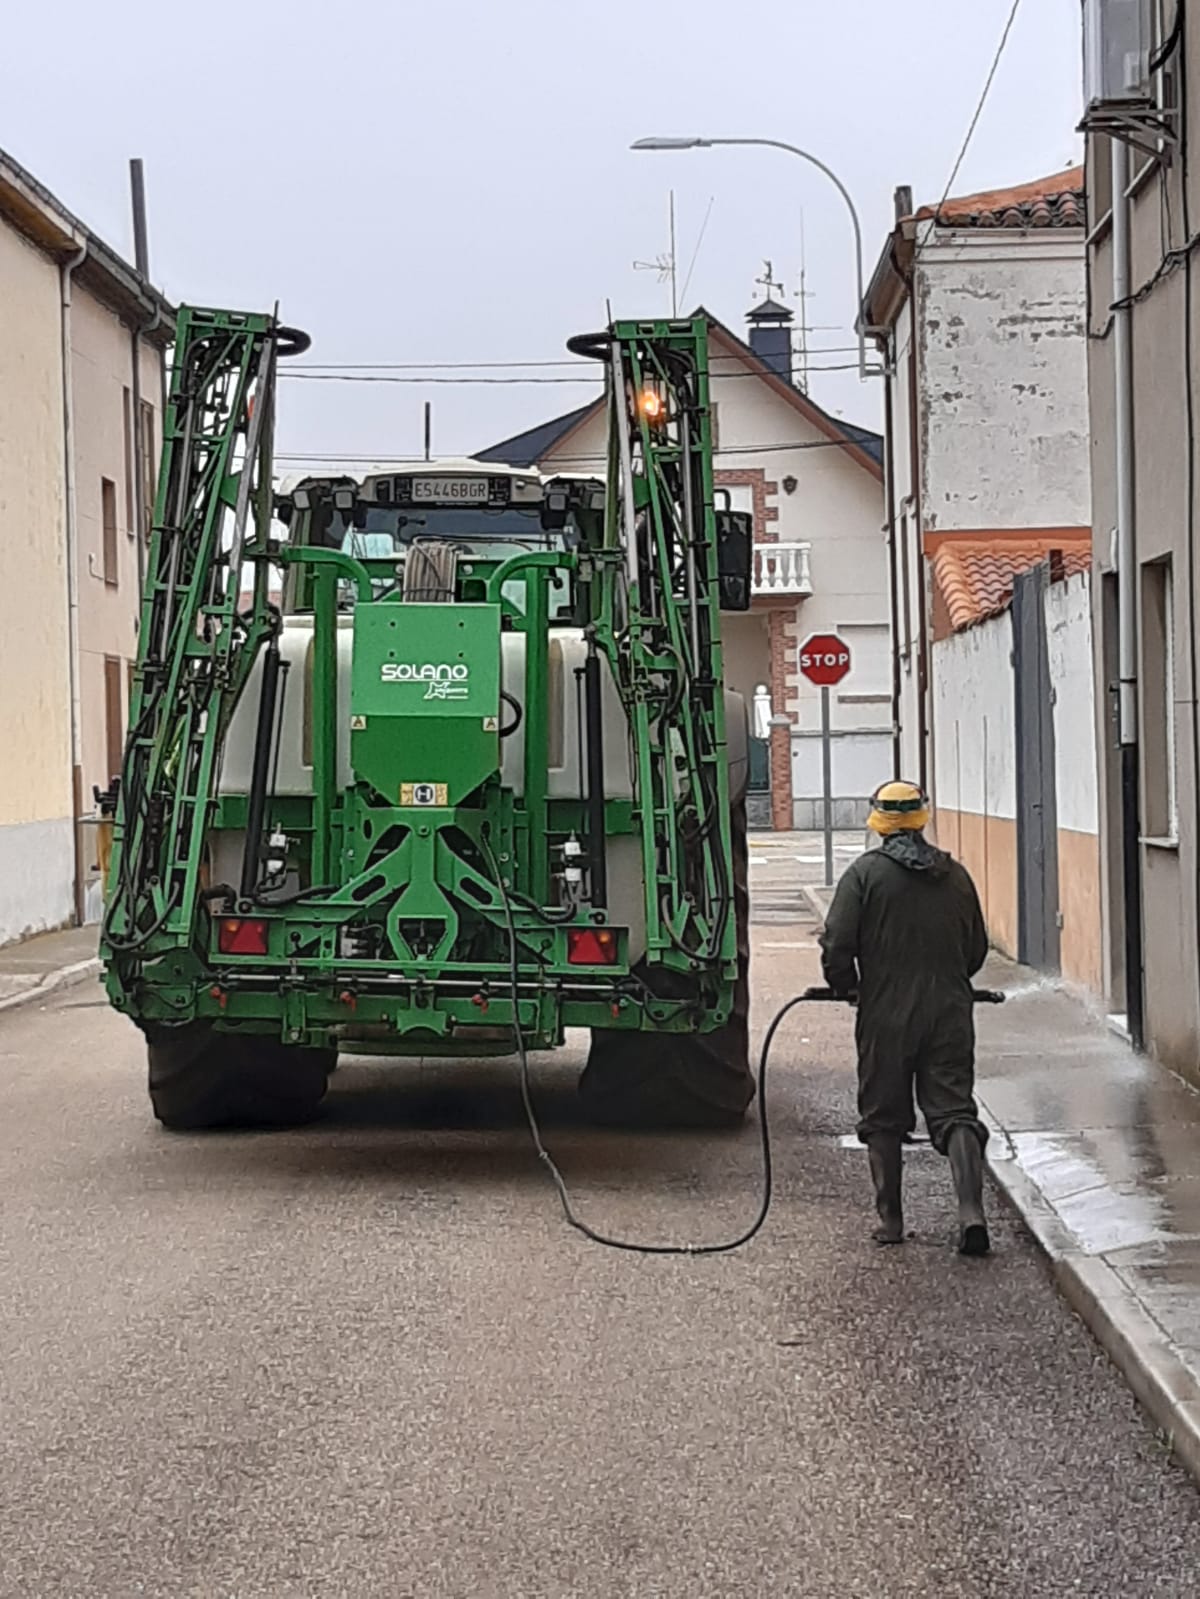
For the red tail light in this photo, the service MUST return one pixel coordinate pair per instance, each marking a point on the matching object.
(591, 946)
(237, 936)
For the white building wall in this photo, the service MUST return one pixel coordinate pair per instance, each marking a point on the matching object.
(975, 769)
(837, 507)
(974, 772)
(1069, 638)
(1005, 433)
(974, 789)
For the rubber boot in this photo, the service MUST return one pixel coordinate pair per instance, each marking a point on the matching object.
(886, 1160)
(966, 1162)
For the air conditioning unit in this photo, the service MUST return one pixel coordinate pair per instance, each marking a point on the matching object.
(1118, 45)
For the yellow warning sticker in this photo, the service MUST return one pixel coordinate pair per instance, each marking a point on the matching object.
(424, 794)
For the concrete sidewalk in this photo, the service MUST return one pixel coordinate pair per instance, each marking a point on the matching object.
(1099, 1151)
(37, 967)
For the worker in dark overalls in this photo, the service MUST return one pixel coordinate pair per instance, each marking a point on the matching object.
(906, 935)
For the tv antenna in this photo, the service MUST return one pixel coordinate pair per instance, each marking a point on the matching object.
(804, 294)
(666, 265)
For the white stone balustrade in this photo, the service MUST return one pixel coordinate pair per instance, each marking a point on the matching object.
(781, 569)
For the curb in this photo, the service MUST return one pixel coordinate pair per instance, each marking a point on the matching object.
(65, 977)
(1163, 1385)
(818, 900)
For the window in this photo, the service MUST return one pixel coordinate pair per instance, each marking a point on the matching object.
(741, 497)
(149, 468)
(127, 428)
(114, 725)
(108, 519)
(870, 679)
(1160, 816)
(1099, 180)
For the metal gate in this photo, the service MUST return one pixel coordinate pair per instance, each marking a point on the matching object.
(1038, 938)
(760, 766)
(758, 795)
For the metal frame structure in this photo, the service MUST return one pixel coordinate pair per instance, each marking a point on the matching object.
(440, 926)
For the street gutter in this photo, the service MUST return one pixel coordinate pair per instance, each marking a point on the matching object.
(52, 983)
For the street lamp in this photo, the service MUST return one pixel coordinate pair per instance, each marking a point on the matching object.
(792, 149)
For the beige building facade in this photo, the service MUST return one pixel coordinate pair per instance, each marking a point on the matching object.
(79, 435)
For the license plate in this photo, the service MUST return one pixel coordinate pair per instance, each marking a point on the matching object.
(451, 490)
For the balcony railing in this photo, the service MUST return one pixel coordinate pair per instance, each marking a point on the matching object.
(782, 570)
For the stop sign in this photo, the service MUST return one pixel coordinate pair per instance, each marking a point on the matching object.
(824, 659)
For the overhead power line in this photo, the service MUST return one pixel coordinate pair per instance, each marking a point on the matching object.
(715, 363)
(592, 380)
(983, 98)
(381, 458)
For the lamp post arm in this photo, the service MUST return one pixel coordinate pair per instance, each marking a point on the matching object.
(805, 155)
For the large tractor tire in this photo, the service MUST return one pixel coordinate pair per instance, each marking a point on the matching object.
(682, 1079)
(201, 1079)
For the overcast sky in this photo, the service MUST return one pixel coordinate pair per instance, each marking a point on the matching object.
(452, 182)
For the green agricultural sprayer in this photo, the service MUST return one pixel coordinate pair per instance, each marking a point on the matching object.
(426, 755)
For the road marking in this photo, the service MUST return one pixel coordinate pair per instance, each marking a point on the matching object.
(808, 943)
(851, 1141)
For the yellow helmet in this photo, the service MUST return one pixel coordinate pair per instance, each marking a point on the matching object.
(898, 808)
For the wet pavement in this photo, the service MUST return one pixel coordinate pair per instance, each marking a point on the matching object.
(1101, 1150)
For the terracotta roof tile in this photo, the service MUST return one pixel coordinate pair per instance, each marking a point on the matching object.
(975, 577)
(1054, 202)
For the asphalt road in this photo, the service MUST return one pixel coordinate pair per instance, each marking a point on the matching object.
(369, 1359)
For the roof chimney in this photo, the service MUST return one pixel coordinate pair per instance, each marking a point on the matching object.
(771, 336)
(904, 202)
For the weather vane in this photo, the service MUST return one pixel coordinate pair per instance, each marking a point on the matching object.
(768, 280)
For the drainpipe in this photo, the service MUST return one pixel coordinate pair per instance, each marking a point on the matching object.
(1127, 626)
(137, 333)
(917, 570)
(141, 256)
(886, 343)
(71, 520)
